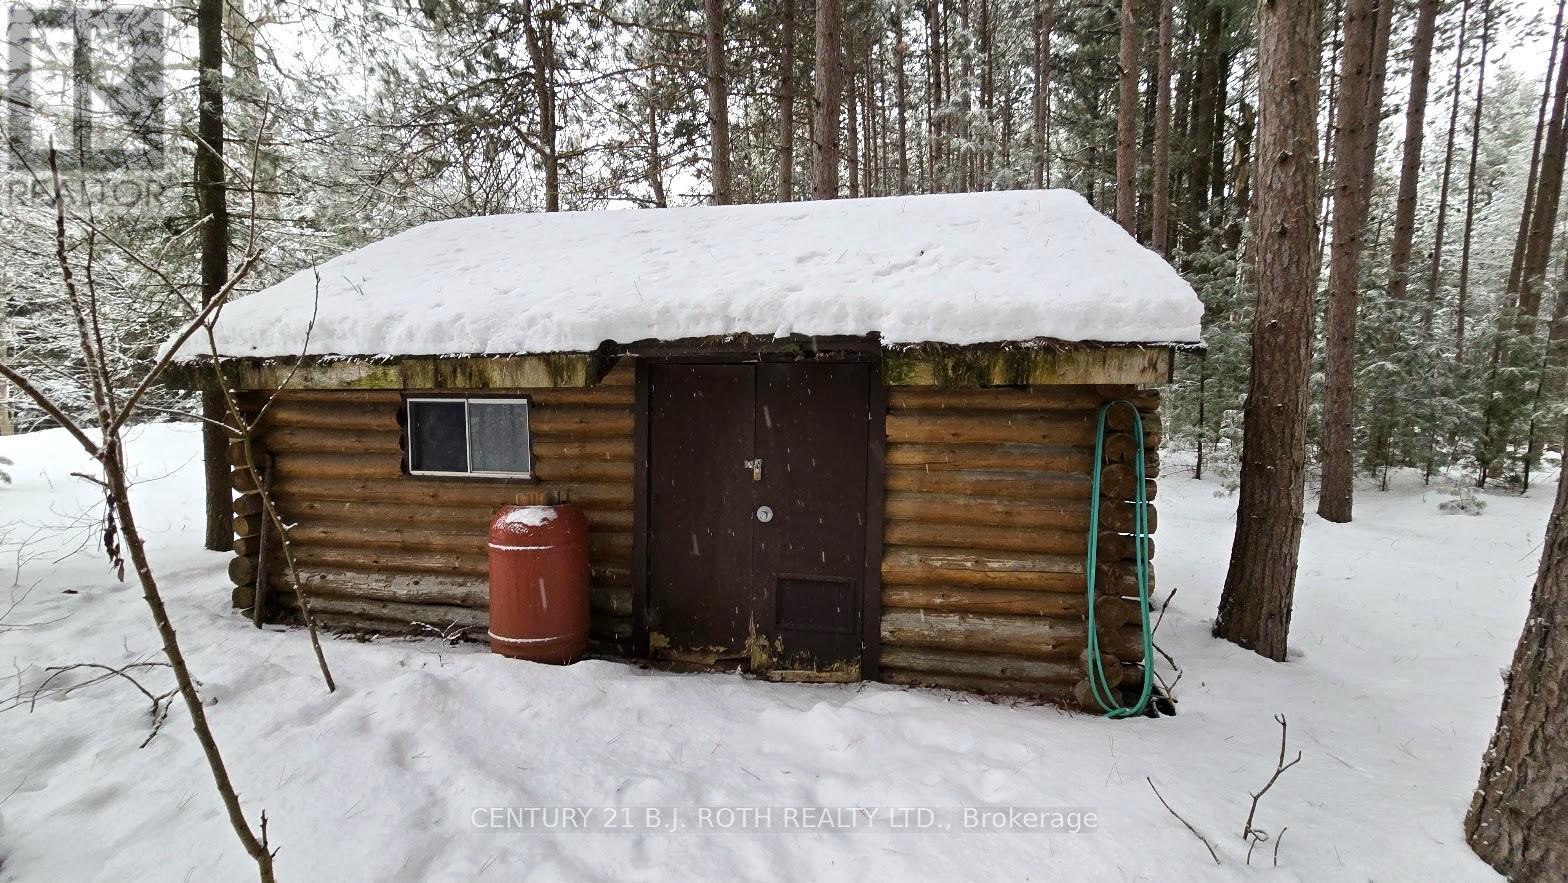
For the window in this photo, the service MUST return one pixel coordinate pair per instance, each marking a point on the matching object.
(458, 436)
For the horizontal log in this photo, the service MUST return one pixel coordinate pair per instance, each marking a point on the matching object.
(320, 451)
(942, 560)
(403, 515)
(247, 504)
(1012, 457)
(1111, 611)
(1045, 691)
(581, 422)
(312, 465)
(596, 396)
(439, 616)
(254, 399)
(1118, 515)
(992, 538)
(416, 589)
(562, 469)
(550, 448)
(1121, 419)
(963, 509)
(995, 428)
(989, 665)
(615, 546)
(417, 372)
(605, 635)
(423, 490)
(1118, 482)
(1115, 515)
(1032, 636)
(991, 483)
(606, 394)
(1123, 448)
(316, 439)
(242, 570)
(945, 365)
(243, 480)
(1124, 692)
(375, 417)
(394, 617)
(472, 566)
(904, 565)
(1033, 398)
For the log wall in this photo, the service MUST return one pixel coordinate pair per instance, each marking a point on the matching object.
(382, 549)
(987, 516)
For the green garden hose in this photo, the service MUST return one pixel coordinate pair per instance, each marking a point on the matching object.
(1099, 684)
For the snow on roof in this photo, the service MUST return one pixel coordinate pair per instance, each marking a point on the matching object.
(959, 269)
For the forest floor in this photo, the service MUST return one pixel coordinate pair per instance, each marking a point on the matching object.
(1404, 620)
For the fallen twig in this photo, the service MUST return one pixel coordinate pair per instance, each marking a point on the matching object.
(1212, 854)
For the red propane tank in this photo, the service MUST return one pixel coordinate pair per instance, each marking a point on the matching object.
(539, 583)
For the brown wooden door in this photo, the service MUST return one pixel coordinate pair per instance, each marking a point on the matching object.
(809, 560)
(700, 510)
(778, 588)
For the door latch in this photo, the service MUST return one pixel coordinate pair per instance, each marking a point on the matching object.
(755, 466)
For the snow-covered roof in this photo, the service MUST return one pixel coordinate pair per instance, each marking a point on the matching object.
(959, 269)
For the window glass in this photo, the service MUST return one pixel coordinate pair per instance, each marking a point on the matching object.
(498, 436)
(437, 436)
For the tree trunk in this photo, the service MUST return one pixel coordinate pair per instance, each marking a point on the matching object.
(655, 158)
(933, 13)
(213, 205)
(787, 105)
(1160, 226)
(541, 52)
(1535, 155)
(1260, 584)
(1127, 122)
(825, 101)
(1518, 819)
(1241, 173)
(1355, 148)
(852, 130)
(1045, 13)
(1336, 53)
(7, 425)
(718, 104)
(900, 59)
(1410, 165)
(1543, 215)
(1439, 233)
(1206, 90)
(1461, 303)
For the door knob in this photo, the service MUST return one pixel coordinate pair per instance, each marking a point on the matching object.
(764, 514)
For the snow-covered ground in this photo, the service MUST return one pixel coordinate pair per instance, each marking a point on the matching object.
(1403, 622)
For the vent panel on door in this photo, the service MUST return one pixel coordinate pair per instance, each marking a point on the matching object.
(817, 603)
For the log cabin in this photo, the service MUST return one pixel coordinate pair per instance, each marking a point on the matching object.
(836, 440)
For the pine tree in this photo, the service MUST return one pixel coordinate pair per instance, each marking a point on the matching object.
(1260, 584)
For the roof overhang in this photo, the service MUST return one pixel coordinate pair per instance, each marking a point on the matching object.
(1019, 363)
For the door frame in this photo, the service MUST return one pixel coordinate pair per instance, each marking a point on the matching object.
(866, 351)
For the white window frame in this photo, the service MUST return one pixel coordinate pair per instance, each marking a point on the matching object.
(468, 438)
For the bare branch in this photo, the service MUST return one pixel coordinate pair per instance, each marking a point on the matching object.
(49, 407)
(1203, 839)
